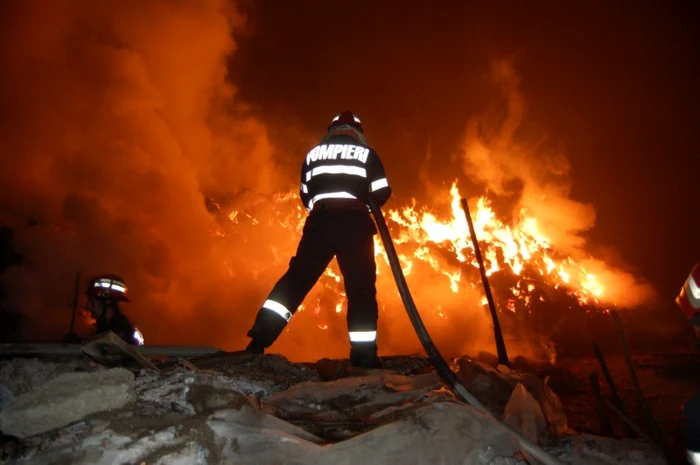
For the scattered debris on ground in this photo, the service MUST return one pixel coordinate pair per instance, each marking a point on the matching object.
(239, 408)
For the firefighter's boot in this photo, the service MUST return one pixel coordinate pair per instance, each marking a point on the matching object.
(266, 329)
(364, 355)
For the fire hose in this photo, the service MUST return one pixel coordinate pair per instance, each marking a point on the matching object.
(436, 358)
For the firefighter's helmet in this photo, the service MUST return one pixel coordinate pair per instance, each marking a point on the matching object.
(107, 287)
(346, 118)
(689, 297)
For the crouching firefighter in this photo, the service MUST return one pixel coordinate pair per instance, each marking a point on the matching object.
(689, 301)
(338, 176)
(103, 294)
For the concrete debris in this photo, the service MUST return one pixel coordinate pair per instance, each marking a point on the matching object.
(65, 400)
(266, 410)
(6, 397)
(346, 398)
(110, 350)
(596, 450)
(524, 415)
(22, 375)
(494, 387)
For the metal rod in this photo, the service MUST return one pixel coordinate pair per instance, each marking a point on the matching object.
(605, 426)
(629, 423)
(500, 343)
(656, 434)
(611, 384)
(75, 303)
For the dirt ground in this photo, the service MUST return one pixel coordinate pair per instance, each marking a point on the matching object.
(667, 381)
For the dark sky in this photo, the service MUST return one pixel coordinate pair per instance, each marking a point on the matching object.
(612, 84)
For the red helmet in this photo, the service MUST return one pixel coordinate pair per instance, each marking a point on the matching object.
(107, 287)
(689, 298)
(347, 117)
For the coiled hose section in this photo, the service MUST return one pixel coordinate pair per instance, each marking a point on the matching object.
(436, 359)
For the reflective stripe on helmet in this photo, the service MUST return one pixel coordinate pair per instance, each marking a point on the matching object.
(278, 308)
(693, 293)
(347, 117)
(110, 284)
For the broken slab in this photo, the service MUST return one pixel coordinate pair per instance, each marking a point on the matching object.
(332, 369)
(22, 375)
(494, 386)
(347, 398)
(524, 415)
(434, 433)
(6, 396)
(587, 449)
(67, 399)
(110, 350)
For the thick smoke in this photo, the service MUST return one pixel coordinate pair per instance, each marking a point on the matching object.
(533, 177)
(117, 121)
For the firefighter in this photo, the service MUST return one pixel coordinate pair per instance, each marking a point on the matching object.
(338, 176)
(104, 292)
(689, 301)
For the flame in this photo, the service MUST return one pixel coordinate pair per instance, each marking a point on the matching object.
(512, 247)
(438, 259)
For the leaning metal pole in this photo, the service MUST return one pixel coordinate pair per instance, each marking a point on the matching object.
(500, 343)
(436, 358)
(75, 303)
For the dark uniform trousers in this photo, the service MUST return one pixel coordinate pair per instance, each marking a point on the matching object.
(691, 411)
(347, 234)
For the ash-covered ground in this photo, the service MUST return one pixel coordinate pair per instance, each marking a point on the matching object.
(239, 408)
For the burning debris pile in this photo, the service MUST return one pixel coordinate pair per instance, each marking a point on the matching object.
(541, 292)
(240, 408)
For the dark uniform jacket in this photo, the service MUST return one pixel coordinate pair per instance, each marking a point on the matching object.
(340, 167)
(119, 325)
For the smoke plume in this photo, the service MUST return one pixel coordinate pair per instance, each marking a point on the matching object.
(533, 177)
(116, 122)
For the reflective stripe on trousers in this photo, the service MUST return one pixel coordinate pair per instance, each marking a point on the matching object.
(278, 308)
(694, 458)
(363, 336)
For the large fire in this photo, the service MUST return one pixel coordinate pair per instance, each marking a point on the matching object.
(437, 257)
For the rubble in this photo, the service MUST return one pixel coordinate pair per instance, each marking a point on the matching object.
(494, 387)
(524, 415)
(6, 397)
(267, 410)
(21, 375)
(65, 400)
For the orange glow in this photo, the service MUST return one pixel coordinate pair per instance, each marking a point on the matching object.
(437, 256)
